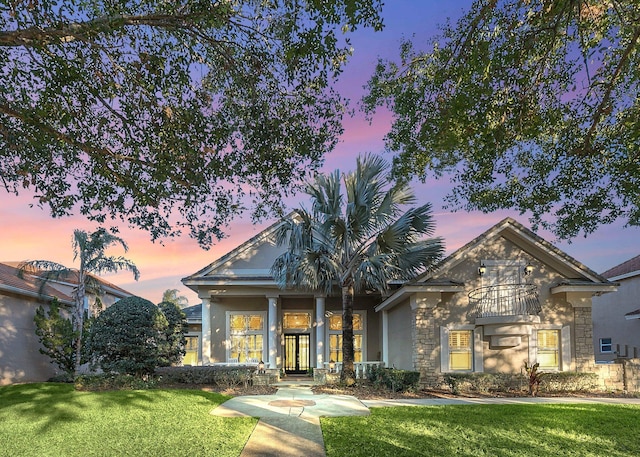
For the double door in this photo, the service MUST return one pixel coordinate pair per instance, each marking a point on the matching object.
(297, 353)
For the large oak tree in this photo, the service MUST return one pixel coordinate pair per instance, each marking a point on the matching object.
(526, 104)
(169, 115)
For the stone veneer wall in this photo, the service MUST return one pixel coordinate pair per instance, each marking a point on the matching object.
(425, 343)
(583, 339)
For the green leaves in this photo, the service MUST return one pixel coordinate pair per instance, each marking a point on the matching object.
(170, 115)
(524, 105)
(357, 234)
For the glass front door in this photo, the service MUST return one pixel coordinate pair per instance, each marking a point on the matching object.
(297, 353)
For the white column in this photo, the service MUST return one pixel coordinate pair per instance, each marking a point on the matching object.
(206, 330)
(272, 338)
(320, 332)
(385, 337)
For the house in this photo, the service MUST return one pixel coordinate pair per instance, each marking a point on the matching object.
(616, 317)
(20, 359)
(506, 297)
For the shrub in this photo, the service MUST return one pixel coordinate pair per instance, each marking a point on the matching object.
(100, 382)
(223, 377)
(130, 337)
(57, 336)
(395, 380)
(569, 381)
(483, 382)
(176, 329)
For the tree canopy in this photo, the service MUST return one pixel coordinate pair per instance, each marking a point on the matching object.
(173, 115)
(525, 104)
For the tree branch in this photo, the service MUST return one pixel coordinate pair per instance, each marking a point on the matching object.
(37, 36)
(84, 147)
(602, 106)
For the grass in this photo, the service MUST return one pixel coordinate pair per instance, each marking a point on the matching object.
(55, 420)
(487, 430)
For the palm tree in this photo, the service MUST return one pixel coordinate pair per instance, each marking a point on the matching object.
(89, 249)
(171, 296)
(357, 241)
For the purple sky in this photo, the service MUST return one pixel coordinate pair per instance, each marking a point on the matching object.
(29, 233)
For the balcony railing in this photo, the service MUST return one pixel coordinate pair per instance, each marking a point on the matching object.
(505, 300)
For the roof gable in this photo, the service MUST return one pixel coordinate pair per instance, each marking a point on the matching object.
(252, 259)
(528, 241)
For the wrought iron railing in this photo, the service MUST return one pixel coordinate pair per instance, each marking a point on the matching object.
(505, 300)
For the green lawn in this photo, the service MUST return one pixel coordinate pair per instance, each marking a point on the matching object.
(489, 430)
(55, 420)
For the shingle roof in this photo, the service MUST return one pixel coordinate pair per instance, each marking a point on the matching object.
(72, 278)
(193, 313)
(28, 285)
(624, 268)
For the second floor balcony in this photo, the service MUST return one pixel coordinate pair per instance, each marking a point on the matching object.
(504, 300)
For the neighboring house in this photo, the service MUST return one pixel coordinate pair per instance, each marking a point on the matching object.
(20, 359)
(616, 317)
(505, 298)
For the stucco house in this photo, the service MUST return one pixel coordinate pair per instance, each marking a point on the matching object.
(616, 317)
(20, 359)
(506, 297)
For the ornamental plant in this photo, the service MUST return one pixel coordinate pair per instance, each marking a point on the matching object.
(130, 337)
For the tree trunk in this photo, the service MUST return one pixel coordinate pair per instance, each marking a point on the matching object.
(348, 375)
(78, 321)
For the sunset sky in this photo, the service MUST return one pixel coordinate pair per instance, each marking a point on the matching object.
(29, 233)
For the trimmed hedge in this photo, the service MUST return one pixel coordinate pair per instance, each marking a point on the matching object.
(395, 380)
(563, 381)
(224, 377)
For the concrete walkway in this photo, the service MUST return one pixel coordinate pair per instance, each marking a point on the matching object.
(289, 423)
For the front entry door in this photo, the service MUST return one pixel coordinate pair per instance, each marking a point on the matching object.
(296, 353)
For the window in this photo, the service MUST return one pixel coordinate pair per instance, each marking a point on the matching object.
(296, 321)
(605, 345)
(246, 336)
(191, 350)
(335, 337)
(549, 349)
(460, 350)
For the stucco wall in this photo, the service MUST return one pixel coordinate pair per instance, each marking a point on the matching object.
(609, 321)
(20, 359)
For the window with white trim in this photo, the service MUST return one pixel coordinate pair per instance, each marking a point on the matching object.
(461, 349)
(549, 349)
(606, 345)
(246, 336)
(335, 337)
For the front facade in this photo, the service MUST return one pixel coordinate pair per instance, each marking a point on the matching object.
(616, 317)
(246, 318)
(20, 358)
(505, 298)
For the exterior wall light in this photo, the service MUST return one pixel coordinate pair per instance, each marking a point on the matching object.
(332, 366)
(482, 269)
(261, 367)
(528, 269)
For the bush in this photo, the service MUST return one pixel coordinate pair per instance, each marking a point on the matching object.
(100, 382)
(395, 380)
(175, 332)
(57, 336)
(130, 337)
(569, 381)
(483, 382)
(223, 377)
